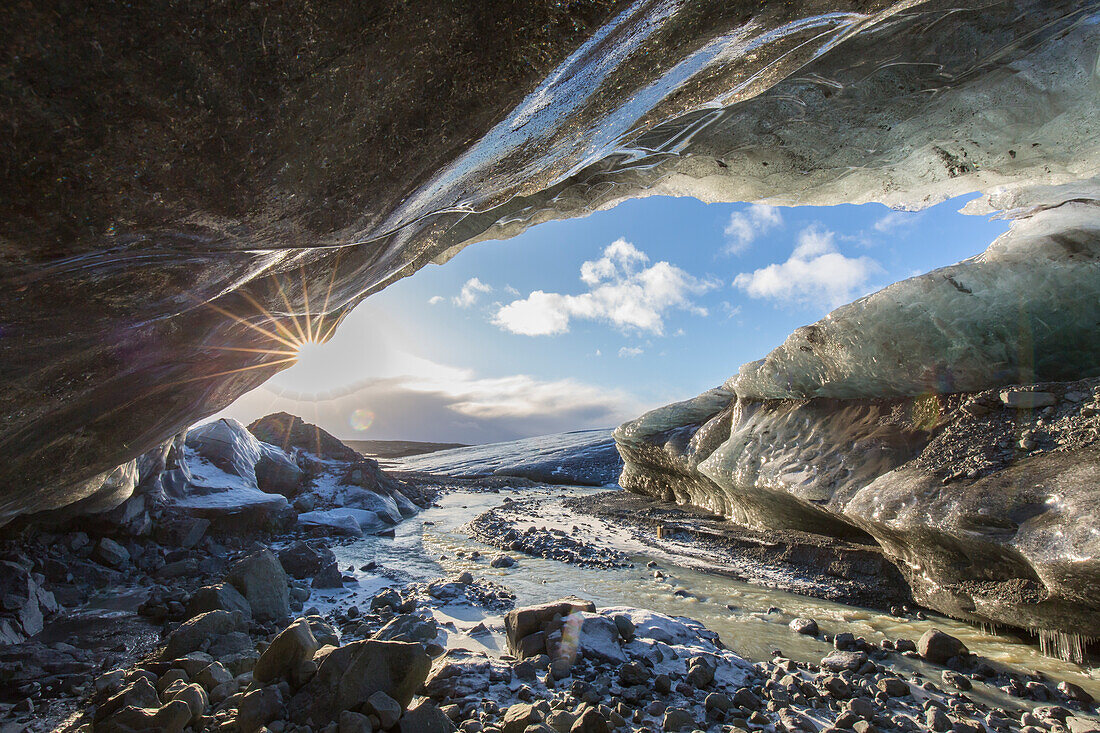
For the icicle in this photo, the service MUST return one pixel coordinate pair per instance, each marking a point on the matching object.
(1068, 647)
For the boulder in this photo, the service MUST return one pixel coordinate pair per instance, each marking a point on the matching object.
(24, 603)
(937, 647)
(347, 676)
(259, 707)
(294, 644)
(522, 622)
(304, 560)
(138, 694)
(805, 626)
(110, 553)
(385, 708)
(262, 581)
(839, 661)
(202, 631)
(426, 717)
(172, 717)
(218, 597)
(276, 473)
(328, 577)
(599, 640)
(288, 432)
(352, 722)
(517, 717)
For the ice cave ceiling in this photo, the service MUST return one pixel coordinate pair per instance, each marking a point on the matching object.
(178, 178)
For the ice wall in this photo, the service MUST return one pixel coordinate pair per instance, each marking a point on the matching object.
(178, 183)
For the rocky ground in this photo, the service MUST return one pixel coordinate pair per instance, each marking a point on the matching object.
(199, 625)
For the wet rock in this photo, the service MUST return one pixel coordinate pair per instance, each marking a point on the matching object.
(894, 687)
(805, 626)
(328, 577)
(260, 578)
(294, 645)
(502, 561)
(218, 597)
(1075, 692)
(346, 677)
(956, 680)
(937, 647)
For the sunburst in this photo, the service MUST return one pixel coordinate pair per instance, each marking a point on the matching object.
(288, 334)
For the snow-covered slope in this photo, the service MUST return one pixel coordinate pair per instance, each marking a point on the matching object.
(586, 457)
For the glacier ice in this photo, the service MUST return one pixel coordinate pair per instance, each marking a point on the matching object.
(137, 266)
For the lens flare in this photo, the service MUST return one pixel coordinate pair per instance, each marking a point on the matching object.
(361, 419)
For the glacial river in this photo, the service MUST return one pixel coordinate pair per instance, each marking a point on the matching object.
(427, 546)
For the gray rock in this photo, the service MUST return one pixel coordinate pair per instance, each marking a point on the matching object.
(349, 675)
(294, 645)
(260, 578)
(259, 707)
(805, 626)
(839, 661)
(276, 473)
(677, 719)
(385, 708)
(202, 631)
(110, 553)
(1020, 399)
(328, 577)
(521, 622)
(956, 680)
(502, 561)
(218, 597)
(352, 722)
(426, 717)
(937, 647)
(303, 560)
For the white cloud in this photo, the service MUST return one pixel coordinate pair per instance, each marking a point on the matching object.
(815, 272)
(436, 300)
(630, 351)
(622, 291)
(471, 291)
(745, 226)
(442, 403)
(896, 220)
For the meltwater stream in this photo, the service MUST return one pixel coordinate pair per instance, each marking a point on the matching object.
(750, 619)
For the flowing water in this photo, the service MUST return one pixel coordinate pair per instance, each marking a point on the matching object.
(751, 619)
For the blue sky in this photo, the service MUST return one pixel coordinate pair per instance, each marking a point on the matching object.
(587, 322)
